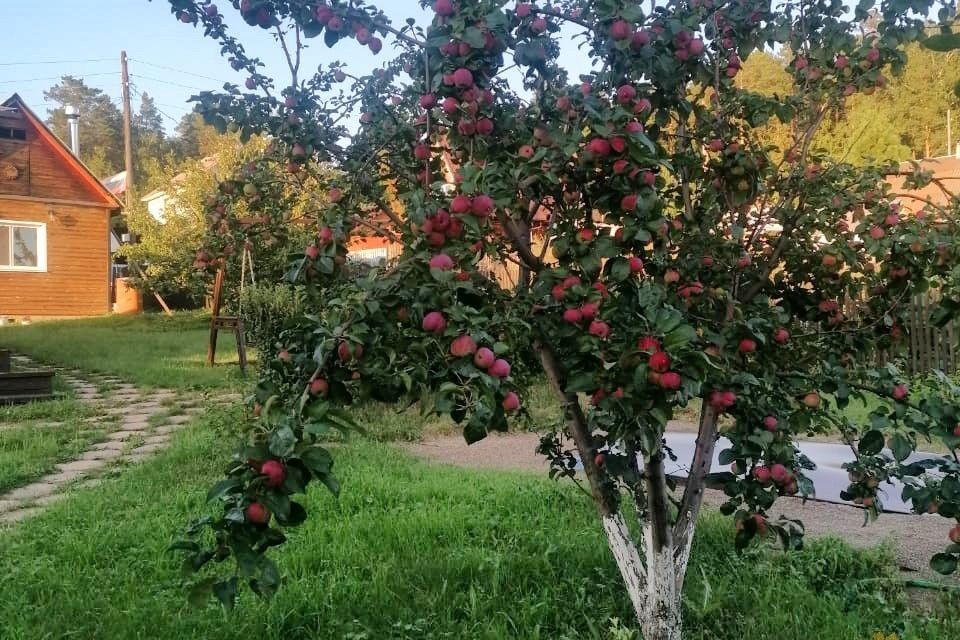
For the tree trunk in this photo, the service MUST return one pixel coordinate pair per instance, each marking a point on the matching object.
(651, 585)
(661, 617)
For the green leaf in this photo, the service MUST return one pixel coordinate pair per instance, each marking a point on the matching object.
(871, 443)
(944, 563)
(282, 442)
(582, 382)
(727, 456)
(228, 485)
(296, 515)
(318, 460)
(200, 592)
(619, 269)
(901, 447)
(942, 42)
(226, 592)
(475, 430)
(330, 37)
(330, 481)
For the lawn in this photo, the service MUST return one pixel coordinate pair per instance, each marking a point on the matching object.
(151, 350)
(35, 437)
(411, 550)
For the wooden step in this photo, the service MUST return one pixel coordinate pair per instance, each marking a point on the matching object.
(22, 386)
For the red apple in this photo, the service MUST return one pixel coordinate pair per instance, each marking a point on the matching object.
(648, 344)
(441, 261)
(589, 310)
(434, 322)
(319, 387)
(621, 30)
(573, 316)
(670, 380)
(747, 346)
(599, 329)
(275, 471)
(484, 358)
(257, 514)
(762, 474)
(444, 8)
(770, 423)
(511, 401)
(660, 362)
(463, 78)
(499, 369)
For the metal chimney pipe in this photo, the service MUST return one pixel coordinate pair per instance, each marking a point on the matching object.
(73, 119)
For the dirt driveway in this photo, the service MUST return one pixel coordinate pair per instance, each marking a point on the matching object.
(915, 538)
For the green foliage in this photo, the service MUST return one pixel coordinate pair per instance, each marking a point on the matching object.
(267, 310)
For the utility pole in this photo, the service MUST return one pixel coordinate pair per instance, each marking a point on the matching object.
(127, 143)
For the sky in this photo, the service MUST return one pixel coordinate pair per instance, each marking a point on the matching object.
(46, 39)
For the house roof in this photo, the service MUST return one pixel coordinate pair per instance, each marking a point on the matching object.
(117, 183)
(79, 169)
(945, 169)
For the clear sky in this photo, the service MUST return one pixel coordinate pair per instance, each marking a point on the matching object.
(84, 38)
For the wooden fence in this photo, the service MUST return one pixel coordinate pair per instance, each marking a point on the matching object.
(930, 347)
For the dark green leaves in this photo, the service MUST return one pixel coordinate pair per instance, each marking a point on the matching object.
(871, 443)
(282, 442)
(901, 447)
(226, 592)
(942, 42)
(945, 563)
(318, 460)
(228, 485)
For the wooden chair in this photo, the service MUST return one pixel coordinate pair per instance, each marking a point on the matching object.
(218, 322)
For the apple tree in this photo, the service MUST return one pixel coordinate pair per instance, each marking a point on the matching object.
(667, 258)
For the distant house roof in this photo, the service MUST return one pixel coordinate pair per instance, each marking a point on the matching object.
(207, 164)
(66, 155)
(116, 184)
(946, 169)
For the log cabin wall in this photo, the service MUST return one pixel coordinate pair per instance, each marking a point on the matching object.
(76, 281)
(42, 184)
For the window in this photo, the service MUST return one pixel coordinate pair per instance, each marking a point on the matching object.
(9, 133)
(23, 246)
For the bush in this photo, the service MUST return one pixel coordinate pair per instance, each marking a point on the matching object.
(267, 310)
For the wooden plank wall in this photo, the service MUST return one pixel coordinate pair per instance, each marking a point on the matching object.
(76, 282)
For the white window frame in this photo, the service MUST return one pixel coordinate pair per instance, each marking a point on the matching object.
(41, 245)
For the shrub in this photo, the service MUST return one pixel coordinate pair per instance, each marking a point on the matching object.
(267, 310)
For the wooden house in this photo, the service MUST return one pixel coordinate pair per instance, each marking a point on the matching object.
(54, 224)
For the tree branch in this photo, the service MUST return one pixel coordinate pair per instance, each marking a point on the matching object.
(578, 427)
(693, 492)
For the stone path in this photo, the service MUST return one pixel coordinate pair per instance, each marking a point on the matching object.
(137, 424)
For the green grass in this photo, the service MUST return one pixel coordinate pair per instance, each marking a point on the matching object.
(29, 450)
(151, 350)
(412, 551)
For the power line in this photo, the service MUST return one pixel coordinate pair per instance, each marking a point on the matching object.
(137, 91)
(34, 62)
(175, 84)
(188, 73)
(60, 77)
